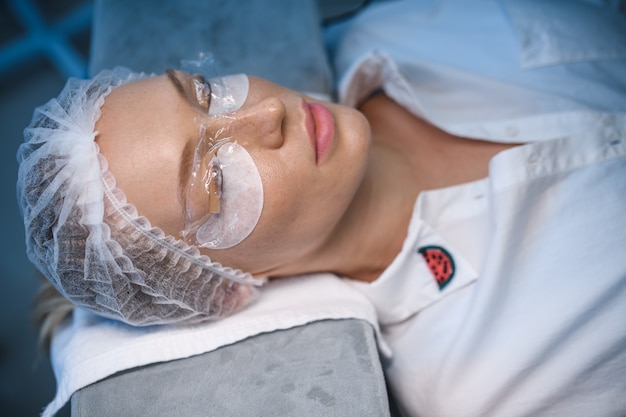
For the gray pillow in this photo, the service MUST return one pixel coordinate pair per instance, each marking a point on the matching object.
(277, 40)
(325, 368)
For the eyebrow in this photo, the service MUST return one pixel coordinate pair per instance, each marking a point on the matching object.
(186, 160)
(171, 75)
(186, 157)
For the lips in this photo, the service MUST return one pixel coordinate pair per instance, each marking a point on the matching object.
(321, 129)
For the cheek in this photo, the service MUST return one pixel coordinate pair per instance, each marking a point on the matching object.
(300, 212)
(288, 221)
(286, 191)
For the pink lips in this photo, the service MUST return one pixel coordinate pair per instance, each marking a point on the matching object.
(321, 128)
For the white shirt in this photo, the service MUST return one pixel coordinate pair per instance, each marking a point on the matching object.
(531, 322)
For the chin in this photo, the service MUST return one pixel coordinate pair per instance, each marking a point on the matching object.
(357, 134)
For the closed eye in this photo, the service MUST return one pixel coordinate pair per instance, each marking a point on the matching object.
(203, 92)
(213, 185)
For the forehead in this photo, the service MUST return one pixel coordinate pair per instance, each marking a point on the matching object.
(137, 91)
(142, 132)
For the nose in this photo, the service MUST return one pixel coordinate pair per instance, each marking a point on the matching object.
(258, 125)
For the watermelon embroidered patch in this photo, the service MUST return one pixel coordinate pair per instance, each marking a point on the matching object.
(439, 262)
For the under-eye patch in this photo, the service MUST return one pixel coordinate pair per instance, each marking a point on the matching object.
(224, 196)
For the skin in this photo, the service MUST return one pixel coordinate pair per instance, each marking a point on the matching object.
(347, 214)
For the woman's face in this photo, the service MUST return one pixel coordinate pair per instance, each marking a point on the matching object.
(311, 161)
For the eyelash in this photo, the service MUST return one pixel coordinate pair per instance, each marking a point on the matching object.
(203, 92)
(213, 185)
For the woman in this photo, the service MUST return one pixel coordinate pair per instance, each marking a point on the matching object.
(313, 158)
(456, 193)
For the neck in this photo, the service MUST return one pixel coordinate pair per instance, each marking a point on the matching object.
(379, 216)
(374, 227)
(408, 156)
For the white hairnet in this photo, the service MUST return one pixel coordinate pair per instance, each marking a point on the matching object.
(90, 243)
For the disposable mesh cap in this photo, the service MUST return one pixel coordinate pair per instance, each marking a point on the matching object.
(90, 243)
